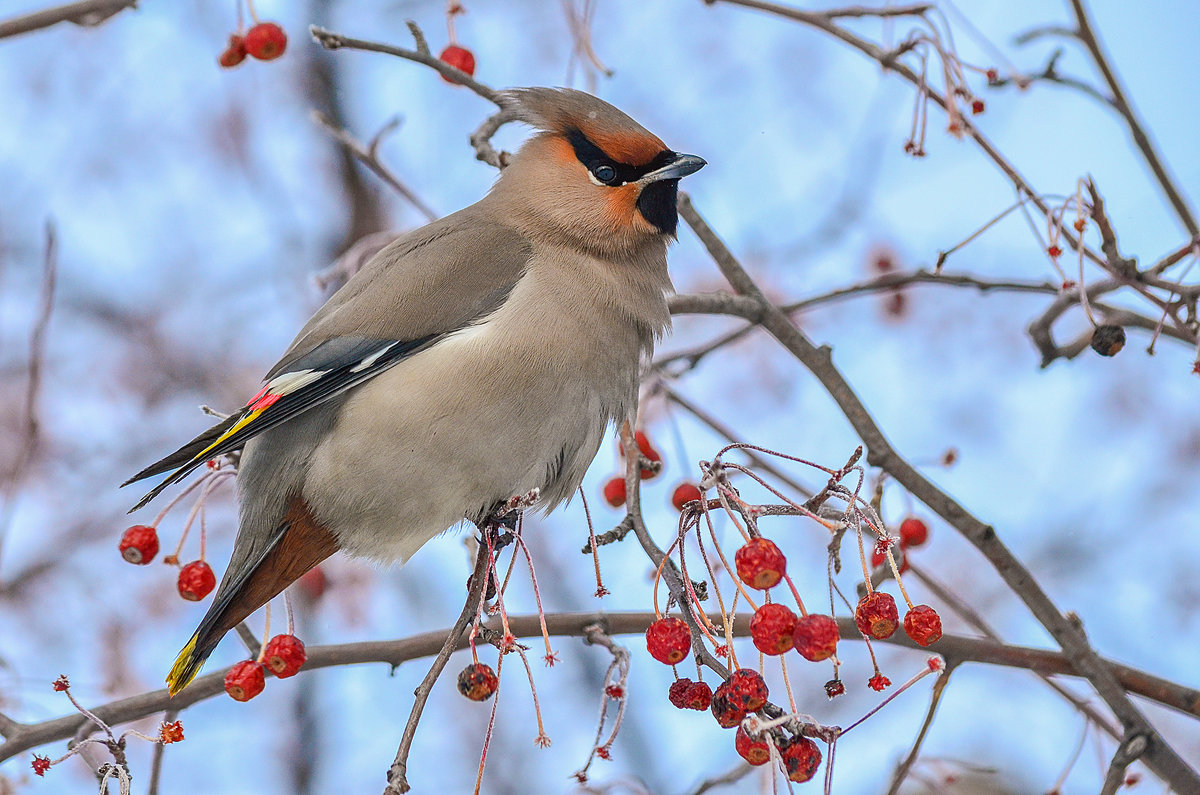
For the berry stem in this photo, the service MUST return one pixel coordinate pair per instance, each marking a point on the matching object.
(287, 605)
(262, 647)
(487, 737)
(587, 514)
(551, 658)
(925, 671)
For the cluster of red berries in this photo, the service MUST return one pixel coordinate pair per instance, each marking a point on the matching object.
(265, 41)
(139, 545)
(614, 487)
(478, 681)
(284, 655)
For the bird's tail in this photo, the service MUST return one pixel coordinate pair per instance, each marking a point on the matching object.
(298, 544)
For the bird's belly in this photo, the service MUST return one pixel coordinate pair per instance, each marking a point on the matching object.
(412, 456)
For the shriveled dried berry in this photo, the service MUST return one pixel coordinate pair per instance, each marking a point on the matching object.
(668, 640)
(699, 696)
(923, 625)
(760, 564)
(1108, 340)
(876, 615)
(478, 681)
(245, 680)
(801, 758)
(285, 655)
(878, 682)
(139, 544)
(834, 688)
(756, 752)
(815, 637)
(677, 695)
(727, 713)
(41, 764)
(747, 689)
(771, 628)
(170, 732)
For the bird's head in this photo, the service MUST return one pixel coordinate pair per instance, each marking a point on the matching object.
(592, 173)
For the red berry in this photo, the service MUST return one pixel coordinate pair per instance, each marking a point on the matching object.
(923, 625)
(727, 713)
(460, 58)
(760, 564)
(747, 689)
(683, 494)
(284, 655)
(139, 544)
(196, 581)
(1054, 251)
(834, 688)
(878, 682)
(62, 684)
(245, 680)
(913, 532)
(876, 615)
(478, 681)
(41, 764)
(614, 492)
(668, 640)
(677, 695)
(771, 628)
(614, 691)
(234, 54)
(756, 752)
(815, 637)
(801, 758)
(266, 41)
(993, 76)
(977, 106)
(699, 696)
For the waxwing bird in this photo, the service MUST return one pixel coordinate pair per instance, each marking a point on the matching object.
(477, 358)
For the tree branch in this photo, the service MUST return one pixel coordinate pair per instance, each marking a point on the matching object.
(86, 13)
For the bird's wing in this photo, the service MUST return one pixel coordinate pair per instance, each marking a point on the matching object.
(419, 289)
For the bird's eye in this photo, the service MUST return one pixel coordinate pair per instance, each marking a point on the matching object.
(604, 173)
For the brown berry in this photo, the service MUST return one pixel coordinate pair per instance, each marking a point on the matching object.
(834, 688)
(815, 637)
(1108, 340)
(747, 689)
(727, 713)
(139, 544)
(245, 680)
(266, 41)
(196, 581)
(756, 752)
(614, 492)
(913, 532)
(760, 564)
(460, 58)
(668, 640)
(234, 54)
(876, 615)
(923, 625)
(284, 655)
(677, 695)
(801, 758)
(771, 628)
(683, 494)
(478, 681)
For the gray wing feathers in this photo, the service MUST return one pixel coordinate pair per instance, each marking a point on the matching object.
(431, 281)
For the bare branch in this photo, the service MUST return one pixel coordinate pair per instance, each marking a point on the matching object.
(86, 13)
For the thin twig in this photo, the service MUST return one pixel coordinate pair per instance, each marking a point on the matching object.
(935, 698)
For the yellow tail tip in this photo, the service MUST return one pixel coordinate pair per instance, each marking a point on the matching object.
(185, 668)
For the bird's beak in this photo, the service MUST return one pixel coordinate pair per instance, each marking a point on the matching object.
(680, 166)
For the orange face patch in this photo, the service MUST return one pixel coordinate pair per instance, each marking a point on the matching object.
(620, 205)
(631, 148)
